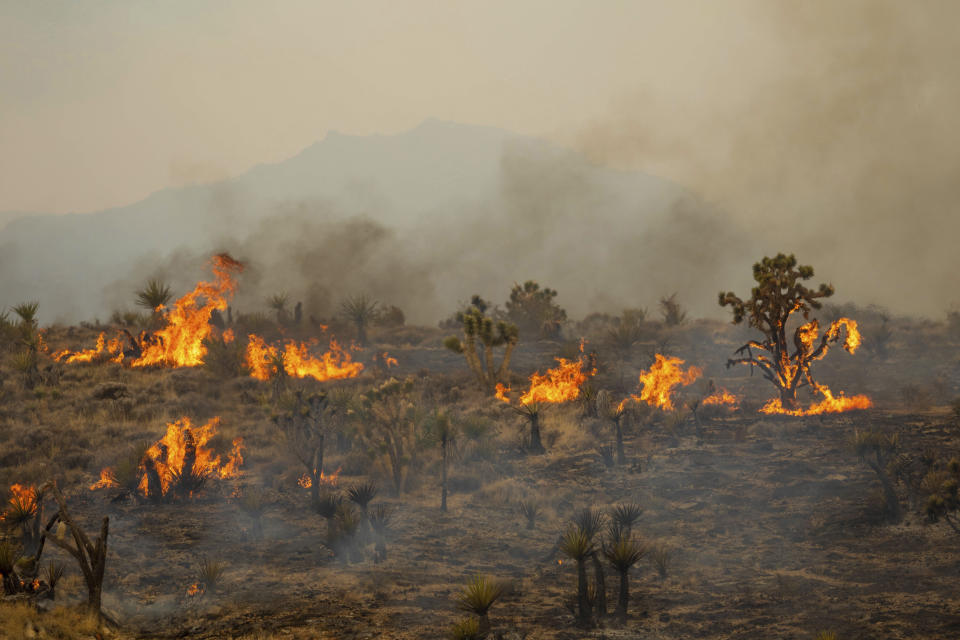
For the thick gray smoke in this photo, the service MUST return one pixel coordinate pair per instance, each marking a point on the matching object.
(838, 144)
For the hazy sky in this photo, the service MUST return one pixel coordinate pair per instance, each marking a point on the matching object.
(104, 102)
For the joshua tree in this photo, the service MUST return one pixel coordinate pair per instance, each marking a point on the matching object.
(671, 310)
(380, 519)
(943, 499)
(390, 422)
(91, 556)
(477, 326)
(622, 337)
(779, 294)
(622, 553)
(533, 310)
(305, 426)
(28, 315)
(362, 495)
(578, 545)
(444, 429)
(877, 449)
(362, 312)
(614, 413)
(24, 517)
(625, 516)
(154, 294)
(477, 598)
(278, 302)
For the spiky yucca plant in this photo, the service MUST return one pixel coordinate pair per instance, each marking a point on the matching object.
(477, 598)
(210, 574)
(362, 312)
(53, 574)
(154, 294)
(622, 553)
(530, 510)
(9, 555)
(380, 519)
(577, 544)
(626, 515)
(27, 311)
(466, 629)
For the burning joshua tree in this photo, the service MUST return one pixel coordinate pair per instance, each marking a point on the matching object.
(557, 385)
(779, 294)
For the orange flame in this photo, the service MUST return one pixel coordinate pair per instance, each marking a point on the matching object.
(335, 364)
(23, 499)
(182, 449)
(658, 383)
(194, 590)
(387, 360)
(227, 336)
(114, 348)
(721, 398)
(829, 404)
(560, 384)
(325, 480)
(180, 342)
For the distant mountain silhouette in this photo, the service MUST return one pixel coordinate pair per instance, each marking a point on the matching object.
(438, 213)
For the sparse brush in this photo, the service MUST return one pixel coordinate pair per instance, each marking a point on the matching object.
(826, 635)
(661, 557)
(877, 449)
(362, 494)
(210, 574)
(530, 510)
(477, 598)
(606, 453)
(53, 574)
(626, 515)
(589, 521)
(466, 629)
(9, 555)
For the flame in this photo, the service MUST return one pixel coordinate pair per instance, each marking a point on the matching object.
(829, 404)
(227, 336)
(180, 342)
(388, 361)
(501, 393)
(182, 450)
(107, 480)
(22, 499)
(721, 398)
(325, 480)
(113, 347)
(42, 346)
(194, 590)
(658, 383)
(560, 384)
(335, 364)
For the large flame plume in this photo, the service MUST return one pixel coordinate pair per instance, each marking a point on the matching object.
(24, 501)
(182, 453)
(560, 384)
(657, 384)
(263, 360)
(829, 404)
(180, 342)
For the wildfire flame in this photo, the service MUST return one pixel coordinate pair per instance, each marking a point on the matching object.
(335, 364)
(23, 500)
(180, 342)
(325, 480)
(182, 451)
(560, 384)
(658, 383)
(829, 404)
(113, 347)
(195, 589)
(721, 398)
(388, 360)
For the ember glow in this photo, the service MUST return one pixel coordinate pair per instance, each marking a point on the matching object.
(111, 350)
(658, 383)
(298, 362)
(560, 384)
(181, 453)
(325, 480)
(180, 342)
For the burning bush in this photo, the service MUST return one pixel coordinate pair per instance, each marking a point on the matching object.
(178, 465)
(778, 295)
(295, 360)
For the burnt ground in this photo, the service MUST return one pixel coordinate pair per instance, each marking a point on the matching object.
(774, 528)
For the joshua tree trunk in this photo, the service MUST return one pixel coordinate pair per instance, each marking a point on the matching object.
(536, 446)
(621, 456)
(92, 557)
(623, 598)
(484, 625)
(583, 600)
(788, 397)
(443, 490)
(601, 581)
(316, 470)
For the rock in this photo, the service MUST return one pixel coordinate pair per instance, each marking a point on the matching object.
(110, 391)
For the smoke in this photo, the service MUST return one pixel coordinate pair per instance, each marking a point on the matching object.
(830, 135)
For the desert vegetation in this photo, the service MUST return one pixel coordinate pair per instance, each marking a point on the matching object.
(206, 472)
